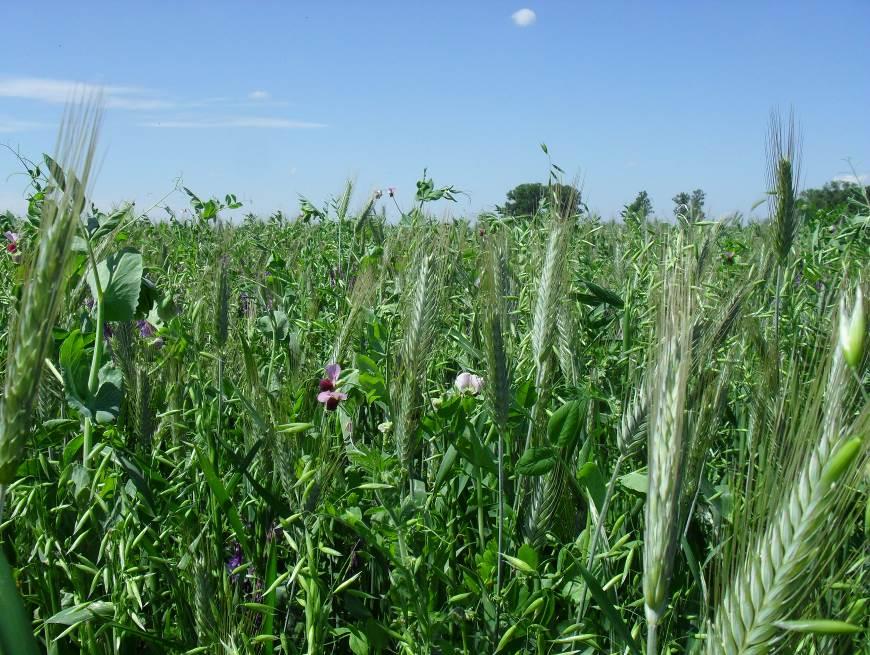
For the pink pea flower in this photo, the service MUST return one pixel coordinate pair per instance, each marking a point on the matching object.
(12, 238)
(12, 246)
(329, 395)
(468, 383)
(392, 191)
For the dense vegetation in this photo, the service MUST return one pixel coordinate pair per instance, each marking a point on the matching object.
(545, 433)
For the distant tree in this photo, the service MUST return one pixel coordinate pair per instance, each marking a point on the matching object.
(638, 209)
(690, 206)
(834, 196)
(525, 199)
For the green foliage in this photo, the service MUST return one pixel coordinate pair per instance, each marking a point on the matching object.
(527, 199)
(183, 489)
(690, 206)
(638, 210)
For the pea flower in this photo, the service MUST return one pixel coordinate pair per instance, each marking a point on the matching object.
(235, 561)
(392, 191)
(12, 238)
(329, 395)
(146, 330)
(468, 383)
(12, 246)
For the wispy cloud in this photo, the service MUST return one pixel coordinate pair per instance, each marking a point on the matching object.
(236, 121)
(136, 98)
(851, 178)
(11, 125)
(524, 17)
(62, 91)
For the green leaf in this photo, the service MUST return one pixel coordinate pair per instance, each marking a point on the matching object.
(16, 635)
(606, 604)
(636, 481)
(565, 423)
(537, 461)
(606, 296)
(277, 322)
(359, 644)
(271, 596)
(75, 364)
(529, 555)
(120, 275)
(370, 378)
(81, 613)
(819, 626)
(591, 478)
(105, 405)
(102, 225)
(520, 565)
(149, 297)
(223, 501)
(56, 172)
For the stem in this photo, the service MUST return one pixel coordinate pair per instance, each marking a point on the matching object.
(93, 376)
(652, 642)
(478, 484)
(87, 442)
(93, 380)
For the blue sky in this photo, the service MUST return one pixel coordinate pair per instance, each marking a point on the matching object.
(271, 99)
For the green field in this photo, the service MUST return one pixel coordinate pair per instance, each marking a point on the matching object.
(549, 433)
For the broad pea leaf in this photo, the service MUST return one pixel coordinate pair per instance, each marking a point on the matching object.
(281, 324)
(120, 276)
(566, 422)
(105, 405)
(75, 362)
(537, 461)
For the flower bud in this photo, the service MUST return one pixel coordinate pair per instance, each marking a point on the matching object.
(852, 330)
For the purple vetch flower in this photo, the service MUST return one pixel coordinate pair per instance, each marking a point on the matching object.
(146, 330)
(332, 372)
(468, 383)
(330, 399)
(244, 303)
(158, 343)
(329, 395)
(392, 191)
(235, 561)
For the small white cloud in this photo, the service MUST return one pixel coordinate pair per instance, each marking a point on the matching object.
(524, 17)
(851, 178)
(238, 121)
(260, 95)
